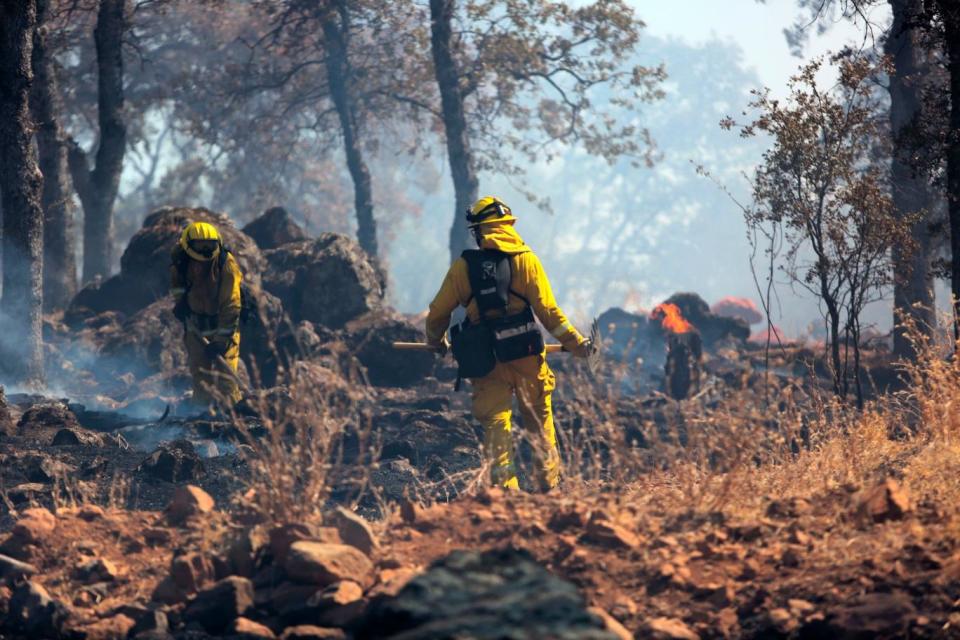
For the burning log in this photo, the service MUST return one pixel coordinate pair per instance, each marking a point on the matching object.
(684, 352)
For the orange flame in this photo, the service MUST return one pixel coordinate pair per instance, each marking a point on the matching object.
(671, 319)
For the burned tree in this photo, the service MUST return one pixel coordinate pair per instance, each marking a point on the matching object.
(514, 79)
(59, 245)
(684, 352)
(98, 186)
(913, 295)
(335, 21)
(462, 164)
(21, 348)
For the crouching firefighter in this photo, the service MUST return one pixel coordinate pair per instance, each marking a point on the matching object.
(499, 345)
(205, 283)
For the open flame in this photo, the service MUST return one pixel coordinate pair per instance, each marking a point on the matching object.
(671, 319)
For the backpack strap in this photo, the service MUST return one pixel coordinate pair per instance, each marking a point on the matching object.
(490, 273)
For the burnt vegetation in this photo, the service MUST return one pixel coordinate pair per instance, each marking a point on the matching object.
(720, 479)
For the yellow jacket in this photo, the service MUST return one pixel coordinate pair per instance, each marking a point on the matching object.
(207, 295)
(529, 280)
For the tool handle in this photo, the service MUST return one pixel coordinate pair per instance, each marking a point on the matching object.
(413, 346)
(422, 346)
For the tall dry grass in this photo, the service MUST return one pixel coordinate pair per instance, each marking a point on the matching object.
(733, 449)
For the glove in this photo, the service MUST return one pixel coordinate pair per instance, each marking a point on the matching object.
(214, 349)
(442, 347)
(181, 310)
(582, 350)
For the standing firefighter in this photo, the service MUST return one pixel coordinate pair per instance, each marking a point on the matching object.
(499, 345)
(205, 283)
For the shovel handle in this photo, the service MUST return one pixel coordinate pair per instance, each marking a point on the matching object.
(422, 346)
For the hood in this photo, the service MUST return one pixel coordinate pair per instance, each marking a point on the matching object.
(502, 237)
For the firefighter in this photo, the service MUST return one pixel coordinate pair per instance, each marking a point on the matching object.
(205, 284)
(505, 290)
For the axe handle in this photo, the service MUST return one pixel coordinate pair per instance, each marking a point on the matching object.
(422, 346)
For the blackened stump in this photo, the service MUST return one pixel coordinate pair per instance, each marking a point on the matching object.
(682, 369)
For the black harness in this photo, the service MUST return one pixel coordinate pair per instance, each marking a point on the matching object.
(497, 337)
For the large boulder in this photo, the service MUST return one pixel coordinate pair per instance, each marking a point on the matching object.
(151, 341)
(328, 281)
(370, 339)
(144, 267)
(628, 337)
(484, 595)
(713, 329)
(274, 228)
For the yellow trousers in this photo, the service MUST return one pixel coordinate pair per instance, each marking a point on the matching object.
(211, 385)
(532, 382)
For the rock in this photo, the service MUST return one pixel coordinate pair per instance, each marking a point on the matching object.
(568, 517)
(35, 526)
(246, 629)
(114, 628)
(215, 608)
(338, 605)
(192, 572)
(391, 581)
(31, 492)
(167, 592)
(242, 554)
(354, 530)
(188, 501)
(611, 624)
(483, 595)
(885, 615)
(39, 467)
(311, 632)
(144, 275)
(152, 622)
(323, 563)
(885, 501)
(606, 533)
(156, 536)
(370, 338)
(78, 437)
(274, 228)
(173, 462)
(328, 280)
(743, 308)
(33, 612)
(669, 629)
(96, 570)
(281, 537)
(289, 601)
(149, 342)
(46, 415)
(91, 512)
(714, 329)
(12, 569)
(628, 337)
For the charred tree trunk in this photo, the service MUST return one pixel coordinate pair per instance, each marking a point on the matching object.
(950, 13)
(59, 248)
(98, 187)
(336, 33)
(913, 295)
(21, 347)
(462, 169)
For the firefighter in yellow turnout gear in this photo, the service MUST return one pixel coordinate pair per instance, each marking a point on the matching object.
(529, 378)
(205, 284)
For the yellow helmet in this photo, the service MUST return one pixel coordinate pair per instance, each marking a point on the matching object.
(201, 241)
(489, 209)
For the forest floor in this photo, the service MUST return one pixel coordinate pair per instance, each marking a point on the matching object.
(855, 535)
